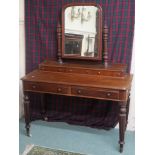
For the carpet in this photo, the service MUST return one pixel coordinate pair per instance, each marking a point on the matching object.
(39, 150)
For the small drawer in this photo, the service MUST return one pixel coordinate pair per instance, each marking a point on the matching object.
(92, 92)
(44, 87)
(107, 73)
(79, 70)
(55, 69)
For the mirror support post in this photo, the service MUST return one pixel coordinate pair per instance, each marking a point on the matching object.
(59, 36)
(105, 37)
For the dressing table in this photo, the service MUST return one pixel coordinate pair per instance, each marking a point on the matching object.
(81, 73)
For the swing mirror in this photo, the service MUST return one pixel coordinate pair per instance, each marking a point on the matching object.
(82, 31)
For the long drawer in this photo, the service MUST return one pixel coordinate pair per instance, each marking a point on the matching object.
(95, 93)
(45, 87)
(71, 90)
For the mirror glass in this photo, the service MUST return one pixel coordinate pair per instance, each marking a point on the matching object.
(81, 31)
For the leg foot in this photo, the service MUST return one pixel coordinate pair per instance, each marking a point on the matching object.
(121, 148)
(28, 130)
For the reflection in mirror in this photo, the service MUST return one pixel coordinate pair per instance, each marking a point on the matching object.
(81, 31)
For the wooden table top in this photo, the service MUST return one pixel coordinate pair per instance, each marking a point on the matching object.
(74, 79)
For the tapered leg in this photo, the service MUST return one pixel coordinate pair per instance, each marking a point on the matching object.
(122, 124)
(27, 113)
(127, 112)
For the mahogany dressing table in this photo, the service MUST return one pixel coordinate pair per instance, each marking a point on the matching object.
(81, 76)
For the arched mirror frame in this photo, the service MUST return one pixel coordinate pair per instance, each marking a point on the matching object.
(99, 44)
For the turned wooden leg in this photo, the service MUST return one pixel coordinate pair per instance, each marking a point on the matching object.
(27, 114)
(127, 112)
(122, 124)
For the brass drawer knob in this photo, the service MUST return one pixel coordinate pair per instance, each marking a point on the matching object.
(99, 73)
(79, 91)
(59, 89)
(33, 86)
(108, 94)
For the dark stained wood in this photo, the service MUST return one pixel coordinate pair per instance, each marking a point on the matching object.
(96, 81)
(127, 108)
(105, 49)
(117, 70)
(88, 79)
(45, 87)
(81, 80)
(99, 57)
(59, 36)
(89, 64)
(122, 124)
(27, 113)
(95, 93)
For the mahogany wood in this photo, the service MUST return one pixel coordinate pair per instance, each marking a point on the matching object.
(59, 36)
(27, 113)
(80, 80)
(87, 79)
(105, 50)
(127, 108)
(122, 124)
(97, 69)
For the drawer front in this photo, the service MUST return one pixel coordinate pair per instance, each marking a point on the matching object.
(94, 72)
(95, 93)
(45, 87)
(54, 69)
(82, 71)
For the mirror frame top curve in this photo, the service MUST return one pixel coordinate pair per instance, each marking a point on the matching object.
(99, 43)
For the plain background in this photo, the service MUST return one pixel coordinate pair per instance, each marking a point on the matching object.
(144, 76)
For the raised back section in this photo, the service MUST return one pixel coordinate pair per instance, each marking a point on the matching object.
(114, 70)
(105, 44)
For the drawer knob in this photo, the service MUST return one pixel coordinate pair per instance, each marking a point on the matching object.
(79, 91)
(59, 89)
(99, 73)
(33, 86)
(108, 94)
(70, 70)
(87, 72)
